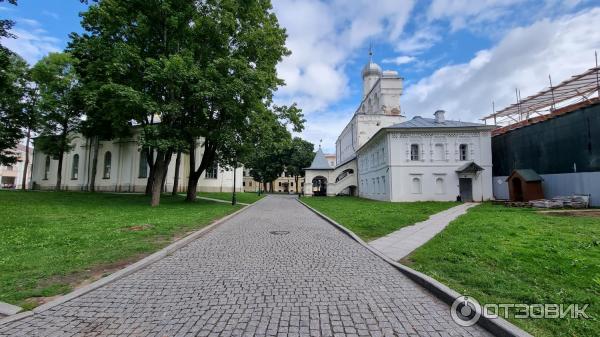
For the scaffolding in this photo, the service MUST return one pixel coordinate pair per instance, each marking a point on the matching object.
(579, 89)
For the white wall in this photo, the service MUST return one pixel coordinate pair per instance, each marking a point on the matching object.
(400, 171)
(124, 172)
(373, 176)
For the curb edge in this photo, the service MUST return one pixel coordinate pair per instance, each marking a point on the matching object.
(498, 326)
(132, 268)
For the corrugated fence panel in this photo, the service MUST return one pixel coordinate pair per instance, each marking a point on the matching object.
(564, 144)
(560, 185)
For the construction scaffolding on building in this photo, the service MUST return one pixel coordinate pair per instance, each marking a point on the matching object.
(579, 90)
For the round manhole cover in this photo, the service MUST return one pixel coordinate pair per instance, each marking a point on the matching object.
(279, 232)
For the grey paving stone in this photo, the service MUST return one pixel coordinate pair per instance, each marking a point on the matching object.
(241, 280)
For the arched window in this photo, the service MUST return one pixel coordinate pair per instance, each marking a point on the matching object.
(438, 152)
(107, 165)
(75, 167)
(143, 165)
(414, 152)
(463, 150)
(439, 186)
(416, 185)
(46, 167)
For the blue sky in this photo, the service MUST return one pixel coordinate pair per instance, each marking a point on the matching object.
(455, 55)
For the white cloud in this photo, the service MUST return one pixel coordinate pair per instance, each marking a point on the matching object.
(31, 42)
(421, 40)
(522, 59)
(323, 38)
(399, 60)
(461, 13)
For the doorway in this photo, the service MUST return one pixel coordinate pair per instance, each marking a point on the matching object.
(465, 186)
(319, 186)
(517, 188)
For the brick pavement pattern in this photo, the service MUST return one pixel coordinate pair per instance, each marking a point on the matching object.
(249, 277)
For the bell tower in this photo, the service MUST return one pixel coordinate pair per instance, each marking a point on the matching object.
(370, 74)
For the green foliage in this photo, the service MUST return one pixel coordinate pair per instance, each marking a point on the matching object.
(61, 105)
(63, 235)
(13, 88)
(60, 98)
(511, 255)
(371, 219)
(300, 156)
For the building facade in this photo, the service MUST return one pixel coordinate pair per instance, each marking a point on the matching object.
(285, 183)
(122, 167)
(11, 176)
(427, 159)
(380, 155)
(379, 107)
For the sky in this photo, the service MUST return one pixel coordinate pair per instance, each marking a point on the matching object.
(455, 55)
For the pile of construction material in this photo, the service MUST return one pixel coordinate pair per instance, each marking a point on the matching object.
(573, 201)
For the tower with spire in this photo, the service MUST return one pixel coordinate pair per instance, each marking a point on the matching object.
(371, 73)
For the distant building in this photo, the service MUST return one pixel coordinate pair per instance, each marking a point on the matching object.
(380, 155)
(11, 177)
(285, 183)
(122, 167)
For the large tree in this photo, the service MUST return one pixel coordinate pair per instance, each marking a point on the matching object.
(11, 69)
(138, 53)
(60, 103)
(299, 156)
(13, 83)
(242, 43)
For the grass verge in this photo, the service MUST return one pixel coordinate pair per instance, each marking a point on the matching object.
(371, 219)
(511, 255)
(52, 241)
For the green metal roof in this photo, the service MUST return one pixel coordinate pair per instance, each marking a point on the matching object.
(527, 175)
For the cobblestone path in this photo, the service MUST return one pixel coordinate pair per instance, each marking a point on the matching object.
(275, 269)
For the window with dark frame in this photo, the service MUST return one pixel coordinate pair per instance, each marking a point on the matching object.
(75, 167)
(46, 167)
(107, 165)
(414, 152)
(212, 172)
(143, 165)
(464, 152)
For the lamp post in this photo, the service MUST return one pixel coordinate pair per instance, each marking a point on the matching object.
(233, 197)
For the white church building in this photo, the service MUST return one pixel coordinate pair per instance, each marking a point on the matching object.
(122, 167)
(381, 155)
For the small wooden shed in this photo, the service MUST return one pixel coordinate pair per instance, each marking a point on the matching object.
(525, 185)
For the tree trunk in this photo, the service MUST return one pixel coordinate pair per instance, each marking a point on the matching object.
(151, 165)
(26, 166)
(192, 188)
(163, 185)
(207, 159)
(160, 168)
(59, 172)
(296, 178)
(176, 179)
(96, 145)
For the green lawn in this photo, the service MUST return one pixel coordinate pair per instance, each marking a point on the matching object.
(244, 197)
(372, 219)
(51, 241)
(509, 255)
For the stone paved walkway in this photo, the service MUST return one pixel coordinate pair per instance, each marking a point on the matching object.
(249, 278)
(402, 242)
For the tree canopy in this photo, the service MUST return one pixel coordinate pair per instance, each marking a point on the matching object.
(188, 73)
